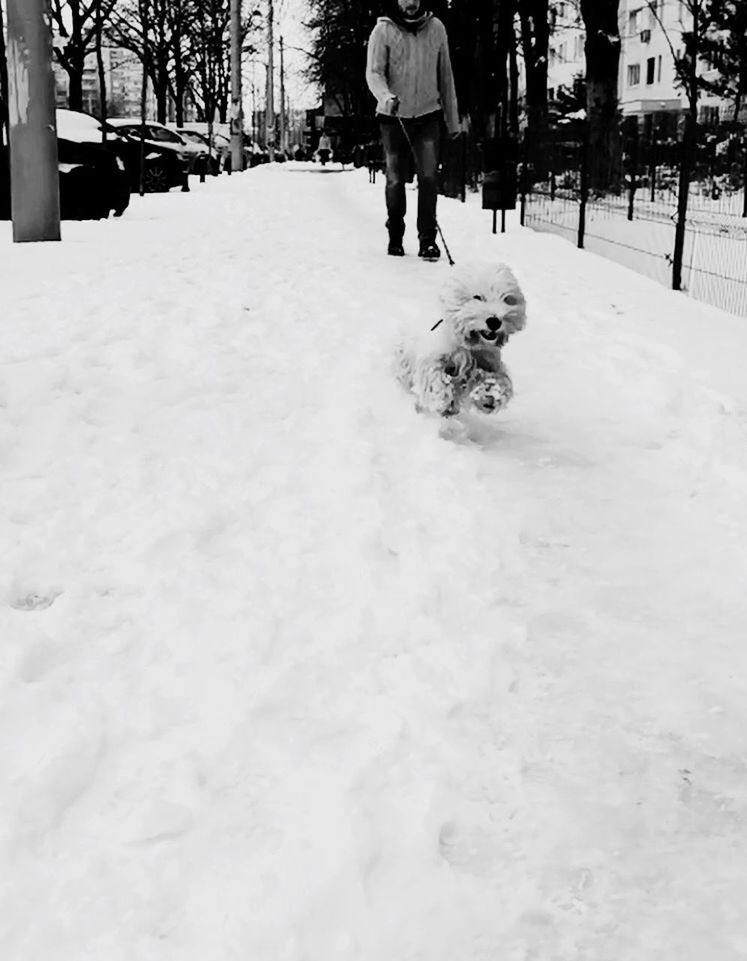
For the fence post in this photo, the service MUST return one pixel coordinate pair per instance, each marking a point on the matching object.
(632, 171)
(525, 179)
(652, 164)
(583, 187)
(686, 159)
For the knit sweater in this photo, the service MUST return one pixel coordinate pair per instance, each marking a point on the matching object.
(413, 65)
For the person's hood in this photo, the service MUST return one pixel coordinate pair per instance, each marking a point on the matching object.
(405, 23)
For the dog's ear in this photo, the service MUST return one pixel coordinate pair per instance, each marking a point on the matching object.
(509, 292)
(455, 292)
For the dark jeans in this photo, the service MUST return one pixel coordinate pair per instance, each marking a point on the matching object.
(425, 135)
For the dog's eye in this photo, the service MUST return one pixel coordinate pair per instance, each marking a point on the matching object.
(478, 297)
(510, 300)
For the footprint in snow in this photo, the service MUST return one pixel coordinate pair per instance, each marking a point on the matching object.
(33, 601)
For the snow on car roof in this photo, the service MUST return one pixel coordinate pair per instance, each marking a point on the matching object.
(78, 127)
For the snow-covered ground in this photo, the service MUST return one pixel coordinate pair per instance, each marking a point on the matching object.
(293, 673)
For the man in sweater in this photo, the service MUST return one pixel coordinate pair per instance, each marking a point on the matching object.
(409, 72)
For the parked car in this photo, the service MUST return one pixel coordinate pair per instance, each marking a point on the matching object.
(256, 154)
(158, 135)
(162, 167)
(216, 151)
(93, 178)
(220, 133)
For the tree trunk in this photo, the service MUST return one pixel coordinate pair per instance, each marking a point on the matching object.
(602, 65)
(101, 70)
(74, 69)
(513, 84)
(535, 35)
(180, 84)
(160, 78)
(162, 96)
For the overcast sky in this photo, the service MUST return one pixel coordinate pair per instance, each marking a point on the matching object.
(289, 18)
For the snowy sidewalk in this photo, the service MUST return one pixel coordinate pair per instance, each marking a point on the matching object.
(288, 675)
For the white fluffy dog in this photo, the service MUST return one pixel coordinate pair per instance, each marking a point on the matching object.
(457, 363)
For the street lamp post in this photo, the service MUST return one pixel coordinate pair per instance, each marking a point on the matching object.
(237, 113)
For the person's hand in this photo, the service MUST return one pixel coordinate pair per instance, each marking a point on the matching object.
(391, 105)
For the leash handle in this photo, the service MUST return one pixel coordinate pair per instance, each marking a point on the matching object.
(415, 160)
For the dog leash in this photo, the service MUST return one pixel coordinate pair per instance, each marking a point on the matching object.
(415, 159)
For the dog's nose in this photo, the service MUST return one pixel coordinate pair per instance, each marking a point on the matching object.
(494, 323)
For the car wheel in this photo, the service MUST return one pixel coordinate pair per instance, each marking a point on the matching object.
(155, 179)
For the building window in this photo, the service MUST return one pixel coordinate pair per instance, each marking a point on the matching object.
(650, 70)
(634, 22)
(634, 74)
(658, 72)
(709, 116)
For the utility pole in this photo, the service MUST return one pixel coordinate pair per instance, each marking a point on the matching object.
(34, 176)
(282, 99)
(270, 118)
(237, 114)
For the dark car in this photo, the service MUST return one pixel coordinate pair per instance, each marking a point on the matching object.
(169, 159)
(163, 167)
(93, 178)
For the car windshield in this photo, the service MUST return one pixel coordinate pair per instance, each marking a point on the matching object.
(164, 135)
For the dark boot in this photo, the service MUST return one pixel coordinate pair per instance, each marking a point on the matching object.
(395, 248)
(429, 250)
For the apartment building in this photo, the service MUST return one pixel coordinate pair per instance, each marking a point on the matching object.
(647, 84)
(566, 60)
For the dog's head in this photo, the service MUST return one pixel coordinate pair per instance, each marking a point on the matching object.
(483, 306)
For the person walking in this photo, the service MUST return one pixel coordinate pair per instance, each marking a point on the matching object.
(408, 70)
(324, 148)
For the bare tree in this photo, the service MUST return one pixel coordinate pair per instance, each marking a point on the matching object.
(76, 23)
(144, 30)
(725, 48)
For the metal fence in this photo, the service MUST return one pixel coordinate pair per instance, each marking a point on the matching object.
(636, 224)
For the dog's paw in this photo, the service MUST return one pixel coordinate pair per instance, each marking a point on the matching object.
(491, 393)
(438, 393)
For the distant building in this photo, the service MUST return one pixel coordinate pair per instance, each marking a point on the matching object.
(123, 76)
(647, 84)
(567, 59)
